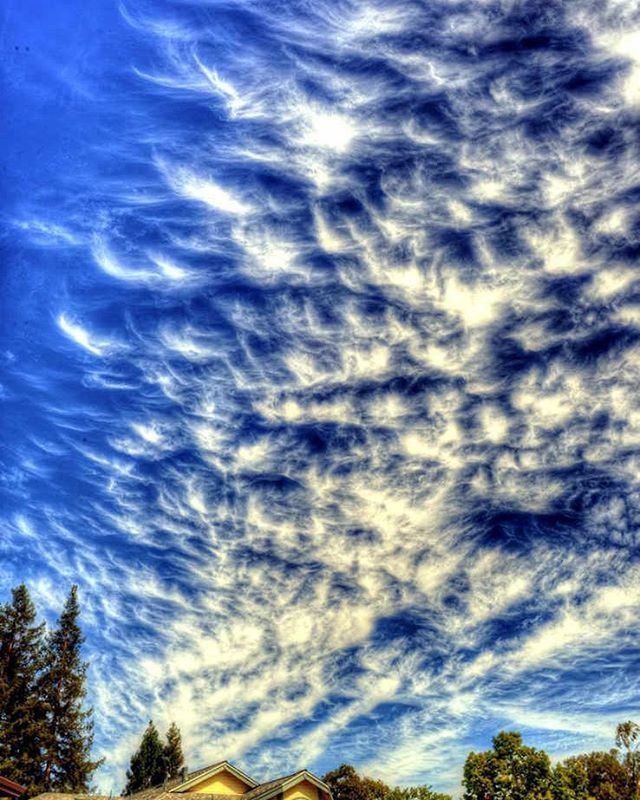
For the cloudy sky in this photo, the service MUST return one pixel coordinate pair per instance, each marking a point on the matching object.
(319, 370)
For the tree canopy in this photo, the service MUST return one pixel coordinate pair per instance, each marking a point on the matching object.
(22, 709)
(173, 751)
(67, 745)
(628, 737)
(46, 734)
(513, 771)
(346, 784)
(154, 762)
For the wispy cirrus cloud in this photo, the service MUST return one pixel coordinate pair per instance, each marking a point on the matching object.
(333, 412)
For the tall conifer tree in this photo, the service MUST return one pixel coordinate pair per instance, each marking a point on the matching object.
(67, 752)
(173, 755)
(22, 713)
(147, 767)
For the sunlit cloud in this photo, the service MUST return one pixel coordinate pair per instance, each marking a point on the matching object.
(330, 400)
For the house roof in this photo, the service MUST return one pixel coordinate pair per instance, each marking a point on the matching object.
(71, 796)
(168, 790)
(258, 791)
(263, 788)
(266, 790)
(162, 794)
(208, 772)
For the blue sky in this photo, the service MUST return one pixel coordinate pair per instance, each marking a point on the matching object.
(319, 370)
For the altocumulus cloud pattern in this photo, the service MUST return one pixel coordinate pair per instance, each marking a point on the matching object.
(320, 364)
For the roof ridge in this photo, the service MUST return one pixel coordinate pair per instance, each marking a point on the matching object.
(178, 780)
(203, 772)
(264, 788)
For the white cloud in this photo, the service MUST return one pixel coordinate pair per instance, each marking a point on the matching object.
(325, 441)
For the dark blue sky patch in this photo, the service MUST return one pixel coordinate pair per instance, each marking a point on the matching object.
(410, 625)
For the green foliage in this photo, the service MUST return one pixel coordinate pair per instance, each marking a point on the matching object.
(607, 778)
(346, 784)
(68, 765)
(628, 737)
(511, 771)
(147, 766)
(174, 758)
(570, 781)
(45, 734)
(153, 762)
(22, 710)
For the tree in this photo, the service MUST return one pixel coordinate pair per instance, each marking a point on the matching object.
(173, 756)
(570, 781)
(22, 712)
(606, 777)
(147, 766)
(346, 784)
(511, 771)
(627, 736)
(67, 763)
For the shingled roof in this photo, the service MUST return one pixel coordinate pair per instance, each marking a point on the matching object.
(176, 786)
(265, 788)
(70, 796)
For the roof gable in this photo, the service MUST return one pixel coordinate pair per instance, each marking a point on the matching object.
(204, 775)
(305, 775)
(268, 790)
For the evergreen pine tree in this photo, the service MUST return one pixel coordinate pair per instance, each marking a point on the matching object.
(22, 717)
(174, 758)
(67, 753)
(147, 767)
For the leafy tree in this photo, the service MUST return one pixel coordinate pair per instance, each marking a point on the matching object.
(606, 777)
(570, 781)
(628, 736)
(67, 762)
(511, 771)
(147, 767)
(173, 756)
(346, 784)
(22, 712)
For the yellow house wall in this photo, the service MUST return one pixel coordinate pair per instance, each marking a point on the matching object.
(304, 790)
(222, 783)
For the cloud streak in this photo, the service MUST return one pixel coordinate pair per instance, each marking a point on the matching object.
(333, 412)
